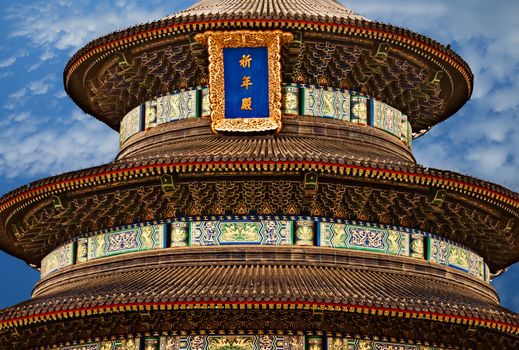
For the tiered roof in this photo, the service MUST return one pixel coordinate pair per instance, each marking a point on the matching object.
(422, 78)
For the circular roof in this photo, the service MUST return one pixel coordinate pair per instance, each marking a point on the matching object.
(214, 278)
(268, 8)
(425, 80)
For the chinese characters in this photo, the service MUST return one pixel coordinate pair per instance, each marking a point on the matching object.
(245, 61)
(246, 103)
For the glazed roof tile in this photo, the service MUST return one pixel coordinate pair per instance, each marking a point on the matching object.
(266, 283)
(277, 9)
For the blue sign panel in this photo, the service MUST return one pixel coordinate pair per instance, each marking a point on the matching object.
(246, 82)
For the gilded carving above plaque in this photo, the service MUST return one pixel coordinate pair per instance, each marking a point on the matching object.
(245, 79)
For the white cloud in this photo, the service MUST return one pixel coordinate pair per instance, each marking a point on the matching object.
(33, 67)
(36, 145)
(39, 87)
(7, 62)
(69, 25)
(18, 94)
(47, 55)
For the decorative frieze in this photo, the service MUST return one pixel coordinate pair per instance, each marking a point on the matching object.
(205, 233)
(357, 237)
(127, 241)
(388, 118)
(326, 103)
(267, 230)
(248, 342)
(297, 100)
(449, 254)
(123, 344)
(131, 124)
(58, 259)
(177, 106)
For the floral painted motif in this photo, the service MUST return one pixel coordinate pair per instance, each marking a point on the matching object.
(290, 104)
(359, 109)
(179, 234)
(241, 232)
(126, 240)
(231, 343)
(364, 238)
(305, 233)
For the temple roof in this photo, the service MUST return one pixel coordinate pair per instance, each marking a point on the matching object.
(477, 214)
(422, 78)
(220, 275)
(278, 9)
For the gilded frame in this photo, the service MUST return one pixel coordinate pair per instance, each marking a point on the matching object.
(216, 42)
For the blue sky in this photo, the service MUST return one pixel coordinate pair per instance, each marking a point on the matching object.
(42, 133)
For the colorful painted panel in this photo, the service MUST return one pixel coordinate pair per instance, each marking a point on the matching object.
(223, 342)
(378, 345)
(363, 344)
(326, 103)
(126, 241)
(130, 125)
(150, 114)
(374, 239)
(290, 104)
(82, 250)
(314, 343)
(206, 103)
(417, 246)
(179, 234)
(127, 344)
(152, 344)
(58, 259)
(177, 106)
(445, 253)
(305, 233)
(359, 109)
(403, 128)
(387, 118)
(205, 233)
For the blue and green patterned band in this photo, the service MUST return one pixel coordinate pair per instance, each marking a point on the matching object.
(298, 100)
(247, 342)
(266, 230)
